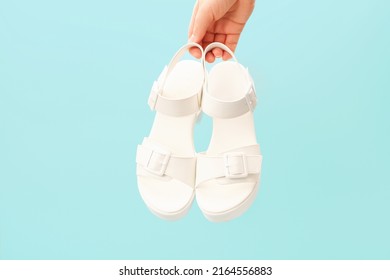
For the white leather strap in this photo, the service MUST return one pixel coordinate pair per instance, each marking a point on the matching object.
(178, 55)
(229, 109)
(231, 165)
(174, 107)
(153, 160)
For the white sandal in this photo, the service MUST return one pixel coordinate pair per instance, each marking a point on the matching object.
(166, 160)
(228, 172)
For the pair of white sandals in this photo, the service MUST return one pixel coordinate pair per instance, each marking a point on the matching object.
(170, 173)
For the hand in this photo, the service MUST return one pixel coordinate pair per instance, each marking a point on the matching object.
(218, 21)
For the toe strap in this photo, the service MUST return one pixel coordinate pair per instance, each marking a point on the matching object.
(154, 160)
(230, 165)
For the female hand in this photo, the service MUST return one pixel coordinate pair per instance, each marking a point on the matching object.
(218, 21)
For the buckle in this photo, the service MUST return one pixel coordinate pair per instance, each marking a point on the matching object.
(235, 165)
(251, 98)
(157, 162)
(153, 96)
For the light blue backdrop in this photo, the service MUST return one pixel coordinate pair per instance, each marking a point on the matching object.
(74, 81)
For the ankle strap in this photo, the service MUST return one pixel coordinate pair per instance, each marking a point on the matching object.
(228, 109)
(174, 107)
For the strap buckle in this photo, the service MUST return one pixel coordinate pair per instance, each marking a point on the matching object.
(251, 98)
(157, 161)
(235, 165)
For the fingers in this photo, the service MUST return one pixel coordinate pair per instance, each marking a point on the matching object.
(191, 26)
(203, 20)
(218, 21)
(196, 52)
(219, 38)
(200, 21)
(206, 13)
(207, 40)
(193, 51)
(210, 58)
(231, 42)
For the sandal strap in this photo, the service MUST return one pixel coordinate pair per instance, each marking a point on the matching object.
(230, 165)
(174, 107)
(154, 160)
(228, 109)
(218, 45)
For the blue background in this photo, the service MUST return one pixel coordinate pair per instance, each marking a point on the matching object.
(74, 82)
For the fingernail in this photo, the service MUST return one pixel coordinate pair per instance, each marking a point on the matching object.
(192, 38)
(217, 53)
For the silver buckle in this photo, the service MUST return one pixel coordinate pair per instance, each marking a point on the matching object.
(240, 161)
(158, 162)
(251, 99)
